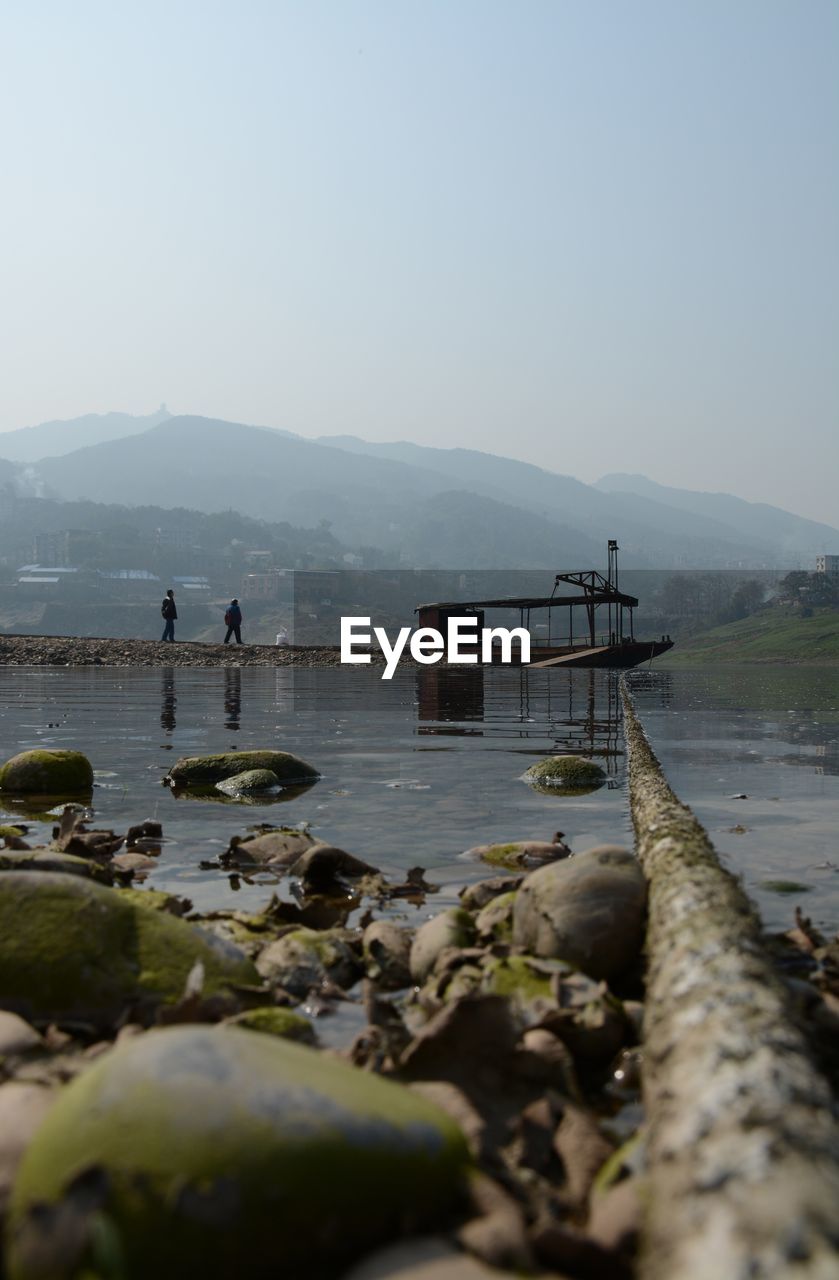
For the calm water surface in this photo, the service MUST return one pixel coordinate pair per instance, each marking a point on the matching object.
(420, 768)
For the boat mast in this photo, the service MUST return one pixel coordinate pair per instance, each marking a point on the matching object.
(612, 579)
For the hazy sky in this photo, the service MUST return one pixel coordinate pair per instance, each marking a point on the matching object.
(597, 236)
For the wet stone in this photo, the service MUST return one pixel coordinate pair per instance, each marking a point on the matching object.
(568, 775)
(387, 954)
(192, 771)
(54, 861)
(588, 910)
(219, 1152)
(451, 928)
(281, 847)
(88, 953)
(47, 772)
(305, 958)
(250, 782)
(271, 1020)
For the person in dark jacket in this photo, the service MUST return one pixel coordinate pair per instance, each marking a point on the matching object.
(233, 618)
(169, 613)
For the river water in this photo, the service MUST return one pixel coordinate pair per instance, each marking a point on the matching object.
(418, 769)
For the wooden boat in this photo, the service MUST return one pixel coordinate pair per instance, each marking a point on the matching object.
(614, 647)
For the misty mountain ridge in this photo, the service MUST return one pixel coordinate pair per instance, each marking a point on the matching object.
(774, 523)
(425, 506)
(61, 436)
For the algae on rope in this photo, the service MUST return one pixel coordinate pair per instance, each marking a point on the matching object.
(742, 1142)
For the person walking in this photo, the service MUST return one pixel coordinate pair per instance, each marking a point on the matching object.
(169, 613)
(233, 618)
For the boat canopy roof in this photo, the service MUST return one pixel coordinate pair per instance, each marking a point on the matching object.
(537, 602)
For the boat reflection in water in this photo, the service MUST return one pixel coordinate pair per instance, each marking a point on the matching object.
(570, 712)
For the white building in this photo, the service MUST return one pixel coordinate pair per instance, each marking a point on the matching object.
(827, 564)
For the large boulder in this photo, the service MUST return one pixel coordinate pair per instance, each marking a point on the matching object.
(588, 910)
(204, 771)
(74, 951)
(47, 773)
(219, 1152)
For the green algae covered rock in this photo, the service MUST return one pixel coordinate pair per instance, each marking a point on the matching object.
(272, 1020)
(47, 773)
(217, 1152)
(54, 860)
(250, 782)
(495, 920)
(201, 771)
(566, 775)
(75, 951)
(524, 981)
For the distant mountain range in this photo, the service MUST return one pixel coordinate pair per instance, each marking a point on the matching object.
(52, 439)
(426, 507)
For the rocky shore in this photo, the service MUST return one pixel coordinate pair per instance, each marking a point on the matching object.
(173, 1101)
(71, 651)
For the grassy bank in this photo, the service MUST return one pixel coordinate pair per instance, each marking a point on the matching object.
(772, 635)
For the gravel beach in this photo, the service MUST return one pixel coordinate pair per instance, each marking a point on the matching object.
(70, 651)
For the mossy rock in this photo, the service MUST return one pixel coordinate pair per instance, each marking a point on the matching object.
(784, 886)
(525, 982)
(197, 771)
(53, 860)
(74, 951)
(47, 773)
(12, 833)
(251, 782)
(219, 1152)
(521, 855)
(157, 900)
(495, 920)
(271, 1020)
(566, 775)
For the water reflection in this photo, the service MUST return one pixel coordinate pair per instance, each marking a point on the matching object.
(168, 699)
(779, 707)
(579, 710)
(232, 697)
(446, 695)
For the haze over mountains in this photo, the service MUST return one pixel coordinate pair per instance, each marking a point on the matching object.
(423, 506)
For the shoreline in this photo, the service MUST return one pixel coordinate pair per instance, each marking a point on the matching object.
(108, 651)
(104, 651)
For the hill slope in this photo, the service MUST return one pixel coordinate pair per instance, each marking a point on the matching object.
(771, 636)
(756, 520)
(393, 496)
(62, 436)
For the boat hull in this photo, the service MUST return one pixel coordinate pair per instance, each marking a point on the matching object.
(631, 653)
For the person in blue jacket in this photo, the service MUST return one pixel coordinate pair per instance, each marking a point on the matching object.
(233, 618)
